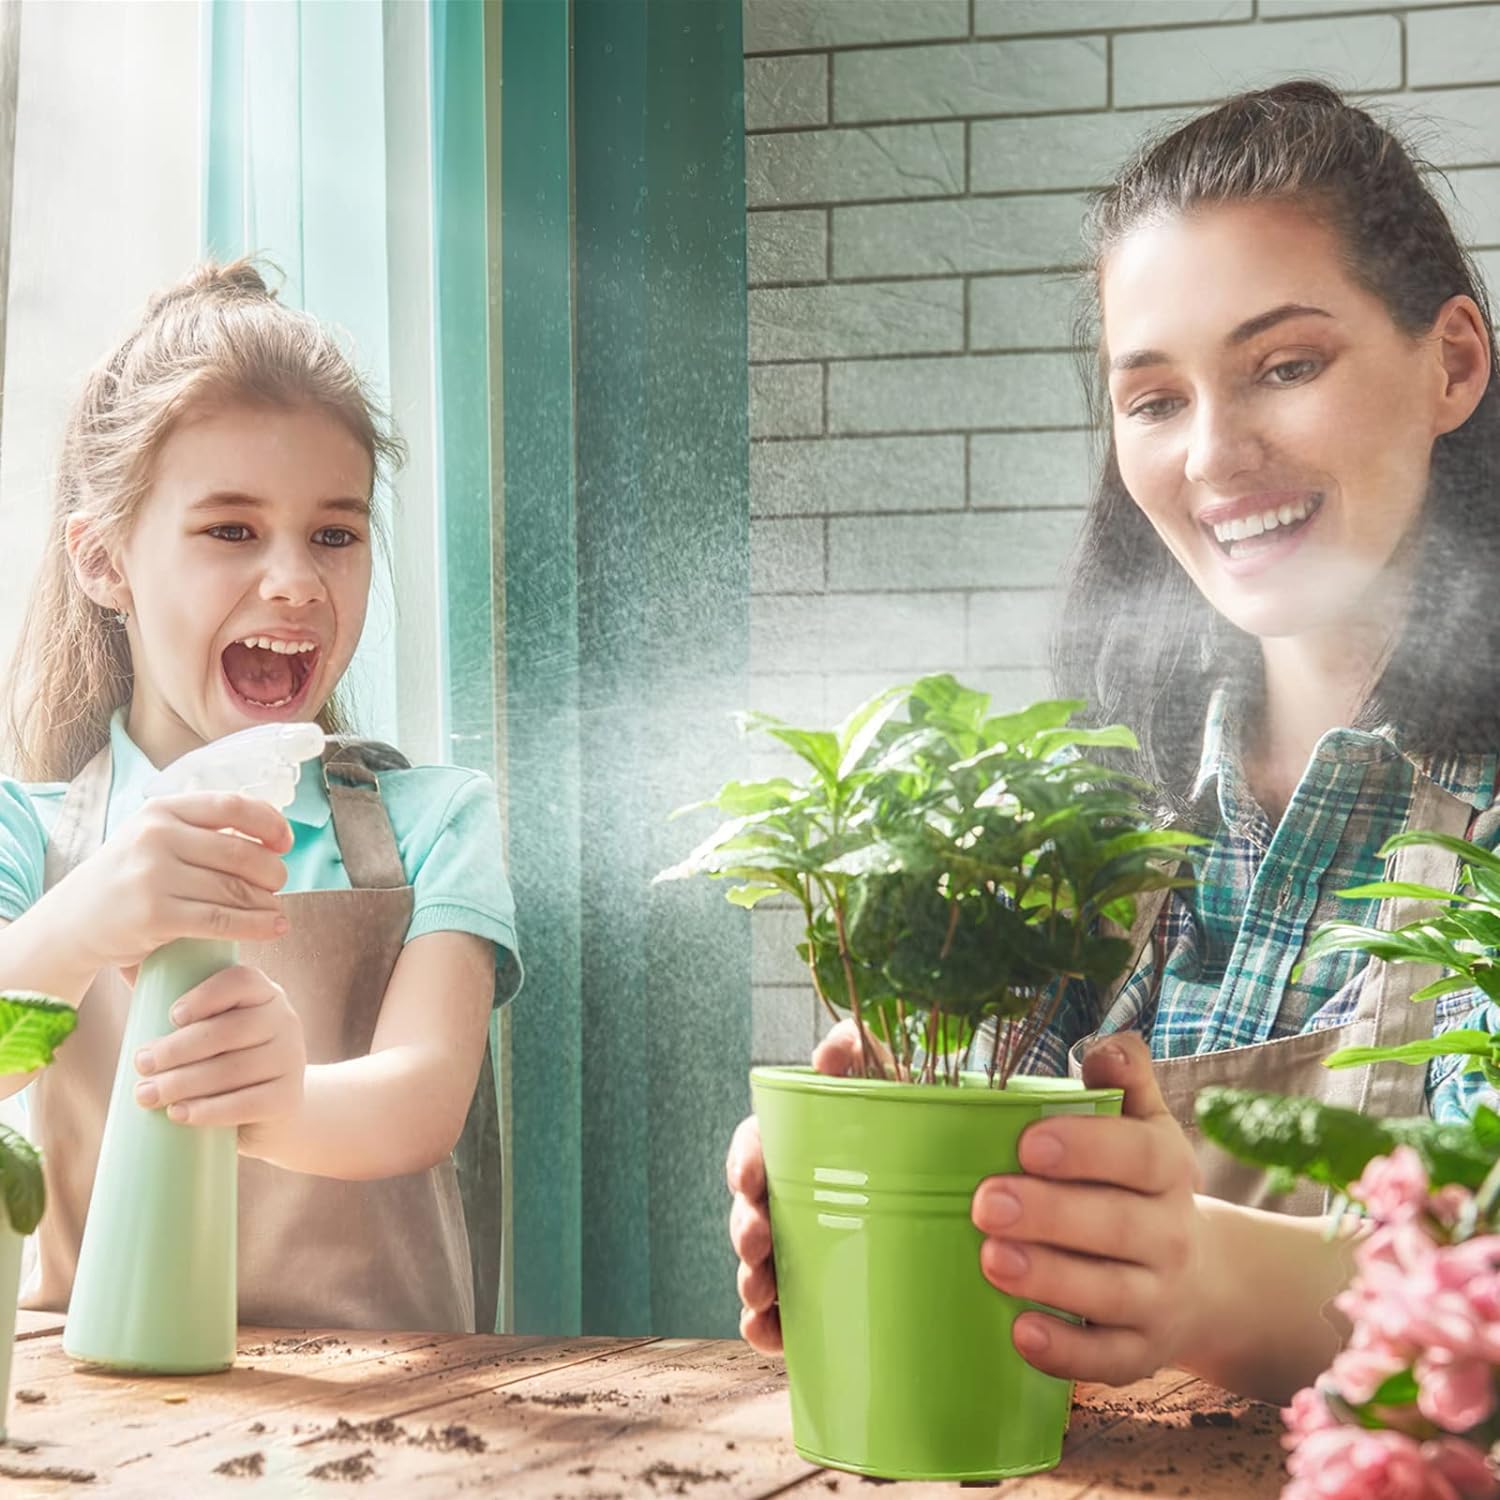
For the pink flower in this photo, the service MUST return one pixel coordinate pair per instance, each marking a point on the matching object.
(1353, 1463)
(1454, 1393)
(1394, 1187)
(1308, 1413)
(1360, 1370)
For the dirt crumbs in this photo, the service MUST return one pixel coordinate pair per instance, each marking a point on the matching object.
(352, 1470)
(570, 1399)
(31, 1397)
(454, 1438)
(246, 1466)
(677, 1481)
(1212, 1419)
(294, 1346)
(59, 1476)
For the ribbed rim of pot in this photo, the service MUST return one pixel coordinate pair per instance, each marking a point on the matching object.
(1023, 1088)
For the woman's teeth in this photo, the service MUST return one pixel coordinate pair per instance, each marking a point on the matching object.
(281, 648)
(1243, 528)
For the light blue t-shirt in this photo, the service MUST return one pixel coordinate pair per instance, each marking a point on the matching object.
(445, 819)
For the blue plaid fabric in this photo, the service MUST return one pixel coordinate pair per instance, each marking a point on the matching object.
(1232, 942)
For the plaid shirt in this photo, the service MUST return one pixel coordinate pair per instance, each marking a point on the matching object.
(1232, 941)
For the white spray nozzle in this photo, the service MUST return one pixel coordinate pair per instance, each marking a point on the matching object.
(263, 762)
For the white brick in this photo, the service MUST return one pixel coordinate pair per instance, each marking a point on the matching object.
(782, 1024)
(1023, 312)
(786, 633)
(1453, 46)
(1010, 630)
(804, 25)
(893, 317)
(1203, 64)
(1473, 199)
(903, 632)
(857, 474)
(776, 931)
(786, 400)
(786, 557)
(934, 394)
(1057, 151)
(787, 246)
(1271, 10)
(977, 234)
(992, 550)
(1029, 469)
(1010, 690)
(973, 78)
(798, 697)
(1455, 127)
(1488, 262)
(841, 166)
(1016, 17)
(781, 91)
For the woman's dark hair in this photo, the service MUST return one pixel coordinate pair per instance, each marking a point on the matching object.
(1136, 638)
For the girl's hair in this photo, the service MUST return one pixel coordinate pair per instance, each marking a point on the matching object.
(218, 337)
(1136, 638)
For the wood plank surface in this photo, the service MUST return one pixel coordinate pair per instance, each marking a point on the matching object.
(427, 1415)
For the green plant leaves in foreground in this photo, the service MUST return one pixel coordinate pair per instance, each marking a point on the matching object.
(1302, 1137)
(23, 1194)
(31, 1027)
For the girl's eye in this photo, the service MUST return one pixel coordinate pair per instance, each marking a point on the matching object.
(1299, 370)
(1152, 411)
(337, 536)
(241, 533)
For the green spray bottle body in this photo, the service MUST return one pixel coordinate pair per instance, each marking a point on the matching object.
(155, 1290)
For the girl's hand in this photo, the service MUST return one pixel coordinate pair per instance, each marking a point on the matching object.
(750, 1217)
(237, 1056)
(170, 873)
(1104, 1225)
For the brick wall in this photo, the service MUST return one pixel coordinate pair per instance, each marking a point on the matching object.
(915, 179)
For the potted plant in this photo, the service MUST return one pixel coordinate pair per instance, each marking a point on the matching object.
(955, 870)
(31, 1026)
(1411, 1399)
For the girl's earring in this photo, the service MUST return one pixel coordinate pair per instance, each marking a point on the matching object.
(121, 616)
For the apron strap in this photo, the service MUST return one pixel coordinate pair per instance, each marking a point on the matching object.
(79, 829)
(360, 821)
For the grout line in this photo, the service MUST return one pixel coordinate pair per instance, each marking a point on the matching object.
(828, 86)
(1109, 71)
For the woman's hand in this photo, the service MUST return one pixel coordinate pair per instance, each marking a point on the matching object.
(169, 872)
(750, 1217)
(1102, 1224)
(237, 1056)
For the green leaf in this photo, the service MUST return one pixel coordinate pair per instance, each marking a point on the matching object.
(858, 731)
(31, 1027)
(23, 1191)
(1471, 854)
(1399, 1389)
(1448, 1044)
(1384, 890)
(1111, 737)
(739, 798)
(750, 896)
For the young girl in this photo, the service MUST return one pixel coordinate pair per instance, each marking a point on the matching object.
(1284, 586)
(208, 569)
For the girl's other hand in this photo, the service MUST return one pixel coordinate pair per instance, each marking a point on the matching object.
(171, 872)
(1102, 1224)
(750, 1217)
(237, 1057)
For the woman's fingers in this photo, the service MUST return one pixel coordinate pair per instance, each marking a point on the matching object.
(1108, 1292)
(229, 1073)
(246, 1106)
(219, 810)
(231, 859)
(762, 1330)
(749, 1230)
(1147, 1156)
(745, 1166)
(1111, 1356)
(201, 1040)
(840, 1053)
(227, 924)
(1086, 1219)
(757, 1285)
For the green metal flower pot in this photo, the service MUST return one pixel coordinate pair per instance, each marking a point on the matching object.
(898, 1351)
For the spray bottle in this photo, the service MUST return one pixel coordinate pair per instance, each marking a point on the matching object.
(155, 1289)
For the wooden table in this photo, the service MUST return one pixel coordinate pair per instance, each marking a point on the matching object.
(422, 1415)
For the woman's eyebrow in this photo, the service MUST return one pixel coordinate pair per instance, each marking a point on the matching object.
(1139, 358)
(235, 500)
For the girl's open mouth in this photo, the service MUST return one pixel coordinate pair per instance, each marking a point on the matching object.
(269, 677)
(1249, 538)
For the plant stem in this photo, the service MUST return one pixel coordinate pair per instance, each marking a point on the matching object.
(995, 1050)
(947, 947)
(812, 958)
(868, 1058)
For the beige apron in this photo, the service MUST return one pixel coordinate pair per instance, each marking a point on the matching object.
(313, 1251)
(1385, 1016)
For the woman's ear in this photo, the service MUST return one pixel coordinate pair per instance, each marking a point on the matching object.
(95, 569)
(1462, 345)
